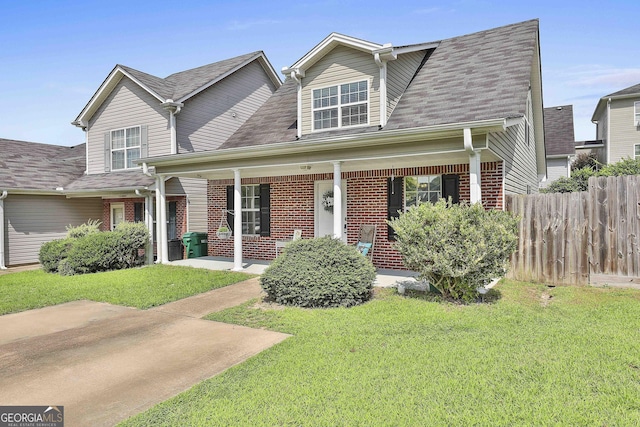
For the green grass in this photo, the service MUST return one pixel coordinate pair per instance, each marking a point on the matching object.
(137, 287)
(573, 359)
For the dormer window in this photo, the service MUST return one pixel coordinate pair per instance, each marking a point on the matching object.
(341, 106)
(125, 148)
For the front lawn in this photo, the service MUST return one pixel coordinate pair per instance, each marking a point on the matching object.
(137, 287)
(537, 356)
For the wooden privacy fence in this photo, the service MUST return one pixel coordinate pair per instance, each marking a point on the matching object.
(580, 238)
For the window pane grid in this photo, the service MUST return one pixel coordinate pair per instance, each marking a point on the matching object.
(250, 209)
(351, 110)
(422, 189)
(125, 148)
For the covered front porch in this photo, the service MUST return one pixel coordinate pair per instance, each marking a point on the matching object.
(265, 193)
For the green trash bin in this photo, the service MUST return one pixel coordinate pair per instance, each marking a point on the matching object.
(195, 244)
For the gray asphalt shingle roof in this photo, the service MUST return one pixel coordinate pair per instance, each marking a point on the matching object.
(34, 166)
(178, 85)
(485, 75)
(127, 179)
(631, 90)
(559, 134)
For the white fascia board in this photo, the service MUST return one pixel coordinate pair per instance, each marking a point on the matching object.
(589, 146)
(559, 156)
(334, 143)
(327, 44)
(603, 101)
(513, 121)
(415, 48)
(264, 62)
(105, 89)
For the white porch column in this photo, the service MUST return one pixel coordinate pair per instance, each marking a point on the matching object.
(148, 219)
(237, 221)
(158, 230)
(474, 168)
(337, 200)
(163, 244)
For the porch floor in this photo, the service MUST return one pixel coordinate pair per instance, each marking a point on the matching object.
(384, 278)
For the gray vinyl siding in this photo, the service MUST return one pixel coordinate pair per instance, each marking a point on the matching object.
(34, 220)
(399, 74)
(196, 192)
(624, 134)
(341, 65)
(128, 105)
(519, 158)
(601, 129)
(556, 168)
(197, 203)
(207, 120)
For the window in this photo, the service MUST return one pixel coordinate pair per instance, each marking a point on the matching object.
(125, 148)
(256, 212)
(341, 106)
(637, 152)
(250, 209)
(138, 212)
(636, 116)
(421, 189)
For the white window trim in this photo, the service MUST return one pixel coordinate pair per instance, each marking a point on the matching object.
(113, 206)
(404, 189)
(635, 149)
(339, 105)
(242, 210)
(111, 149)
(636, 113)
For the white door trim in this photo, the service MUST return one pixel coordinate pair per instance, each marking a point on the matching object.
(317, 207)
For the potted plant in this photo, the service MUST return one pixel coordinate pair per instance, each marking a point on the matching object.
(223, 233)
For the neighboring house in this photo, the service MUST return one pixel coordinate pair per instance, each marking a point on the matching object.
(32, 208)
(617, 117)
(560, 142)
(133, 115)
(361, 130)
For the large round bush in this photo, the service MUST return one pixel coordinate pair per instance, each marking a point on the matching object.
(322, 272)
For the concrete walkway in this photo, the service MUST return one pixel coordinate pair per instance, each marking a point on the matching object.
(105, 363)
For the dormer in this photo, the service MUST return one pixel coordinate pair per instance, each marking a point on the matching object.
(345, 82)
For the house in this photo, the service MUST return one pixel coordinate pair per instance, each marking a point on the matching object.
(32, 209)
(134, 114)
(560, 142)
(617, 117)
(361, 130)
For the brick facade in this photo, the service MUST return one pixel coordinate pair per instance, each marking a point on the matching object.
(292, 207)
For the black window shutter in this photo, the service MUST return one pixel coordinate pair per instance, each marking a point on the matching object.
(265, 210)
(451, 188)
(230, 206)
(394, 203)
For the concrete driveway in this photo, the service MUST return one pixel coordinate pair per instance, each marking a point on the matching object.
(105, 363)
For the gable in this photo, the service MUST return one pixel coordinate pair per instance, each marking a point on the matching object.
(399, 73)
(341, 65)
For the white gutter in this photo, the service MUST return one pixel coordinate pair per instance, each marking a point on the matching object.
(2, 197)
(381, 137)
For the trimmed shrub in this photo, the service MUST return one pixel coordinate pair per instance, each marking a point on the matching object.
(626, 166)
(321, 272)
(51, 253)
(101, 251)
(93, 253)
(578, 181)
(456, 248)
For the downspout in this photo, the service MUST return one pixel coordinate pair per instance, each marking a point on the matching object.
(297, 75)
(608, 152)
(148, 222)
(383, 88)
(2, 197)
(173, 108)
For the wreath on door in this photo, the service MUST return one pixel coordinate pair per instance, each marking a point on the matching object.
(327, 201)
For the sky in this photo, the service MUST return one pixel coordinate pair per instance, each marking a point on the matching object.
(54, 54)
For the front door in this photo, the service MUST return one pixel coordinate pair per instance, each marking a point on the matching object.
(324, 208)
